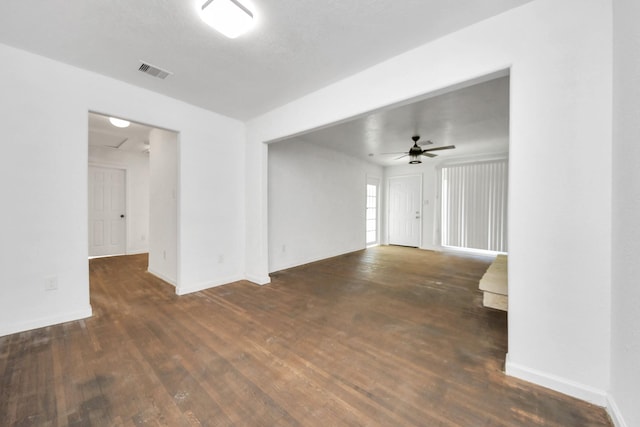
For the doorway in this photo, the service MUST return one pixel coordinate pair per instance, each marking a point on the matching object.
(143, 161)
(405, 210)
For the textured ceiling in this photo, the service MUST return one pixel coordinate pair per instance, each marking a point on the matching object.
(134, 138)
(474, 118)
(298, 46)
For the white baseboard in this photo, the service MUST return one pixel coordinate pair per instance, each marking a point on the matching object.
(311, 260)
(162, 277)
(258, 280)
(563, 385)
(183, 290)
(45, 321)
(614, 413)
(433, 248)
(137, 251)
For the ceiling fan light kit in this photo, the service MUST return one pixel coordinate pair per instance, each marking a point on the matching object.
(416, 151)
(119, 123)
(229, 17)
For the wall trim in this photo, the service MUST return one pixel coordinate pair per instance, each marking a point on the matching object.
(162, 277)
(137, 251)
(554, 382)
(432, 248)
(183, 290)
(314, 259)
(614, 412)
(258, 280)
(46, 321)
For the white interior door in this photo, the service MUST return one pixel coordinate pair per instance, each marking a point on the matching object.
(405, 210)
(107, 222)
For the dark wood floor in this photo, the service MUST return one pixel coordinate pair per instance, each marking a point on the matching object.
(389, 336)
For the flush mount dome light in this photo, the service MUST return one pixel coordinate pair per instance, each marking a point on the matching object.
(229, 17)
(119, 123)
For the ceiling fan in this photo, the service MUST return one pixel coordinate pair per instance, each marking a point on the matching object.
(416, 151)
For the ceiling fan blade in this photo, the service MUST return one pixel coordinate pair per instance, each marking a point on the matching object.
(398, 152)
(122, 143)
(404, 155)
(429, 155)
(446, 147)
(427, 142)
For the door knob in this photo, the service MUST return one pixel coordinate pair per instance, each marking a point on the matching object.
(122, 216)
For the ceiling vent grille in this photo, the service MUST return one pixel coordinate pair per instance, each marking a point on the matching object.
(154, 71)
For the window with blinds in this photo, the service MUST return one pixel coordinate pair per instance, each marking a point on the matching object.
(474, 205)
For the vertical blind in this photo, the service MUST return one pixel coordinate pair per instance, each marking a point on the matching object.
(474, 205)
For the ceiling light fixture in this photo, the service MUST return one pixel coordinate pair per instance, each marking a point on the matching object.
(414, 159)
(229, 17)
(119, 123)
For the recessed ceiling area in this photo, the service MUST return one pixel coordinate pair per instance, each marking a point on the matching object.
(134, 138)
(474, 118)
(295, 48)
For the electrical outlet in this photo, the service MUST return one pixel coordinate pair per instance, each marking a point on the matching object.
(164, 254)
(50, 283)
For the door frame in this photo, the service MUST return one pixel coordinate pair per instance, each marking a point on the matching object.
(420, 178)
(178, 195)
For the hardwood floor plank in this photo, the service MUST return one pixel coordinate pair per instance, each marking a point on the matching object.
(305, 369)
(389, 336)
(58, 386)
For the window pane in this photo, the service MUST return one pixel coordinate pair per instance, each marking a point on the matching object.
(371, 214)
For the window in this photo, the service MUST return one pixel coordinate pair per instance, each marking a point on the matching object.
(372, 214)
(474, 206)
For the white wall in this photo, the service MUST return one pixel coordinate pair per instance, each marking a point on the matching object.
(137, 189)
(317, 203)
(625, 340)
(43, 114)
(560, 56)
(163, 205)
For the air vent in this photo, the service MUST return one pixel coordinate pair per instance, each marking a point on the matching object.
(154, 71)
